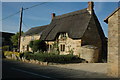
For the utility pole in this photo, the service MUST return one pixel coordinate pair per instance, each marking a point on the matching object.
(19, 40)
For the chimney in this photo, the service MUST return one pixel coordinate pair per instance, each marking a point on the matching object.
(53, 15)
(90, 6)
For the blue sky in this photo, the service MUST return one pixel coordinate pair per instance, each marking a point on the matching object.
(41, 15)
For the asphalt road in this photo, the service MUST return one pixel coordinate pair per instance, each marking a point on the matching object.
(20, 70)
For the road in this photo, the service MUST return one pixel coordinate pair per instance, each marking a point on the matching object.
(20, 70)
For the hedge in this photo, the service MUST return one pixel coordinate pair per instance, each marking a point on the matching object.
(53, 58)
(9, 53)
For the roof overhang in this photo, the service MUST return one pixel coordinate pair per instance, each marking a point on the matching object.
(106, 19)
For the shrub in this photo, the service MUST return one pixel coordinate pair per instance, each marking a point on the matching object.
(37, 45)
(14, 39)
(26, 54)
(9, 53)
(5, 48)
(54, 58)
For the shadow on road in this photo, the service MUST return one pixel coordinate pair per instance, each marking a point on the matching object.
(20, 70)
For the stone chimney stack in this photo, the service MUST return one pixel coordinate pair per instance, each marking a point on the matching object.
(90, 6)
(53, 15)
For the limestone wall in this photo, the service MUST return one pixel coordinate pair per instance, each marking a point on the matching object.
(89, 53)
(113, 43)
(71, 45)
(119, 42)
(50, 45)
(25, 40)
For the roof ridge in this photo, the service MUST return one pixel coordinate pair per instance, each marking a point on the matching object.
(71, 13)
(105, 20)
(87, 24)
(35, 30)
(38, 26)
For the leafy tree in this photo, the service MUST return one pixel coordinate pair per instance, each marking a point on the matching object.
(14, 39)
(31, 44)
(38, 45)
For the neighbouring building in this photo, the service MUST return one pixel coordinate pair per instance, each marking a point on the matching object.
(32, 34)
(69, 33)
(113, 22)
(5, 39)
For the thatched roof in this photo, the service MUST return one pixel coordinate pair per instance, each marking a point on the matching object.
(35, 30)
(74, 23)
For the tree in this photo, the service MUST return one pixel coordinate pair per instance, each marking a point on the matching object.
(37, 45)
(14, 39)
(31, 44)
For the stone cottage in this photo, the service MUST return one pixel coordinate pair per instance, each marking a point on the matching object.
(113, 21)
(32, 34)
(74, 30)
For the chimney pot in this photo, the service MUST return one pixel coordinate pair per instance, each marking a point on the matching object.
(53, 15)
(90, 5)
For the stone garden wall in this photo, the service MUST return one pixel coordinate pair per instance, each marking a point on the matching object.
(89, 53)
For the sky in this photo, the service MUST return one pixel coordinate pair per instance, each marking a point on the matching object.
(41, 15)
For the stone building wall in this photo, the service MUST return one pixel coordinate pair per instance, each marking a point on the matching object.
(25, 40)
(89, 53)
(113, 44)
(92, 37)
(50, 46)
(119, 42)
(72, 46)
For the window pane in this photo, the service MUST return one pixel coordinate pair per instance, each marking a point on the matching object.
(63, 47)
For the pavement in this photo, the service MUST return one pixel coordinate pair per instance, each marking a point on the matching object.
(20, 70)
(90, 67)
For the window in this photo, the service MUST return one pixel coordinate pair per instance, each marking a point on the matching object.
(62, 47)
(23, 47)
(32, 38)
(49, 47)
(63, 34)
(27, 47)
(23, 38)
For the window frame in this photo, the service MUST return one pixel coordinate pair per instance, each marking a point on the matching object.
(62, 47)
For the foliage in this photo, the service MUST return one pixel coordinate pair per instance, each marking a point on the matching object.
(5, 48)
(53, 58)
(14, 39)
(55, 48)
(70, 50)
(26, 54)
(9, 53)
(31, 44)
(38, 45)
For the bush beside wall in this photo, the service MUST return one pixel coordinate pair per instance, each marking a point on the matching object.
(45, 57)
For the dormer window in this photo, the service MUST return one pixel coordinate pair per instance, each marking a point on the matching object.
(63, 35)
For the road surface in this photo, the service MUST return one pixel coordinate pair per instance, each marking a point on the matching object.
(20, 70)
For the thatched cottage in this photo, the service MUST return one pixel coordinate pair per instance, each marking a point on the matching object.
(71, 33)
(32, 34)
(76, 29)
